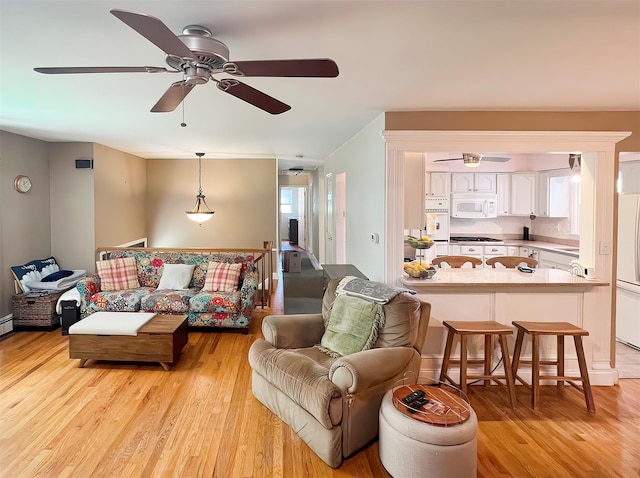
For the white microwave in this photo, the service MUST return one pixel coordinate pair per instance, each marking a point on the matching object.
(474, 205)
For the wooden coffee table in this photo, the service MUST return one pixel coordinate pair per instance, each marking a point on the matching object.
(159, 340)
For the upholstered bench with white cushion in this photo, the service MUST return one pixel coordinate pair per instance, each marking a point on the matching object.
(111, 323)
(128, 336)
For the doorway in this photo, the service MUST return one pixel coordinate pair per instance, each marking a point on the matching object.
(340, 217)
(293, 215)
(336, 219)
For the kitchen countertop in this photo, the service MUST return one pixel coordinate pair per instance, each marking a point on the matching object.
(476, 280)
(542, 245)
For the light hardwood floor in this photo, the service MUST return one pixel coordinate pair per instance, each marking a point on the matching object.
(201, 420)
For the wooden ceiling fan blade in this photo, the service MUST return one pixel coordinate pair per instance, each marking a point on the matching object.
(309, 68)
(172, 97)
(252, 96)
(64, 70)
(155, 31)
(452, 159)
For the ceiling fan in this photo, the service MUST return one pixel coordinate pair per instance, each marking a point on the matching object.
(472, 160)
(199, 56)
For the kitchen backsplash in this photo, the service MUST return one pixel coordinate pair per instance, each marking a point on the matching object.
(486, 227)
(511, 227)
(554, 227)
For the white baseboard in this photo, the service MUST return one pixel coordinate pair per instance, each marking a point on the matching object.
(6, 324)
(598, 378)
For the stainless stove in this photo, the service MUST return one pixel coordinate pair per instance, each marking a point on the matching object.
(475, 239)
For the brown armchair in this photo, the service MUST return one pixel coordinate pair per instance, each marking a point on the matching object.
(333, 403)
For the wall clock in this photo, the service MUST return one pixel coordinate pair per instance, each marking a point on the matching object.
(22, 183)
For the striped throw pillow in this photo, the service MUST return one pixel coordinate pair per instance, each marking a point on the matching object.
(222, 277)
(118, 274)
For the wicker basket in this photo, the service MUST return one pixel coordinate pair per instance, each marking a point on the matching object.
(35, 309)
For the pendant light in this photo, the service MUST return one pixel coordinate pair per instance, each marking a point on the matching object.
(200, 212)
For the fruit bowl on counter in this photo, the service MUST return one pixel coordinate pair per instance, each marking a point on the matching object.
(422, 243)
(419, 270)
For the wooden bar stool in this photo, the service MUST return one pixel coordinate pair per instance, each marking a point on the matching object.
(560, 330)
(456, 262)
(487, 328)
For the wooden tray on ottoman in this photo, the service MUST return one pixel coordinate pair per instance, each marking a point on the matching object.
(35, 310)
(443, 409)
(159, 340)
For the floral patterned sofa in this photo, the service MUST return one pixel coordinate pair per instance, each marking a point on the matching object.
(204, 309)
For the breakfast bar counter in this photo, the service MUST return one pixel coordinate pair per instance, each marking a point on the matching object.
(505, 295)
(500, 279)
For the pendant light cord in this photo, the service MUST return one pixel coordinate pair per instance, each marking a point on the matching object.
(200, 155)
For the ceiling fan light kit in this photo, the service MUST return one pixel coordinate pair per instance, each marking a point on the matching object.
(200, 212)
(199, 56)
(472, 160)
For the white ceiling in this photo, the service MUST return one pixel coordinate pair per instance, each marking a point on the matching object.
(392, 55)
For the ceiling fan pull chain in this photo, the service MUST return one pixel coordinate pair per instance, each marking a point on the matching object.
(183, 124)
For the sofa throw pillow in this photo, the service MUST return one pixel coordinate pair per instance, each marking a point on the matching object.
(118, 274)
(176, 276)
(34, 271)
(352, 327)
(57, 276)
(222, 277)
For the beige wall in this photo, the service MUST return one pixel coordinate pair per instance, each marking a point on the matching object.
(120, 202)
(72, 206)
(242, 192)
(414, 216)
(291, 180)
(521, 121)
(25, 225)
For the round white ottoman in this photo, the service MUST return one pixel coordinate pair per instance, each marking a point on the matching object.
(410, 448)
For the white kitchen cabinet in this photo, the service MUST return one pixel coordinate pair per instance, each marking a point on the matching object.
(461, 182)
(473, 182)
(553, 195)
(529, 252)
(437, 184)
(442, 248)
(483, 252)
(484, 183)
(513, 250)
(503, 188)
(471, 251)
(553, 260)
(523, 194)
(495, 251)
(474, 251)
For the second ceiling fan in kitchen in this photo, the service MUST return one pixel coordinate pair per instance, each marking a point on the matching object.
(472, 160)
